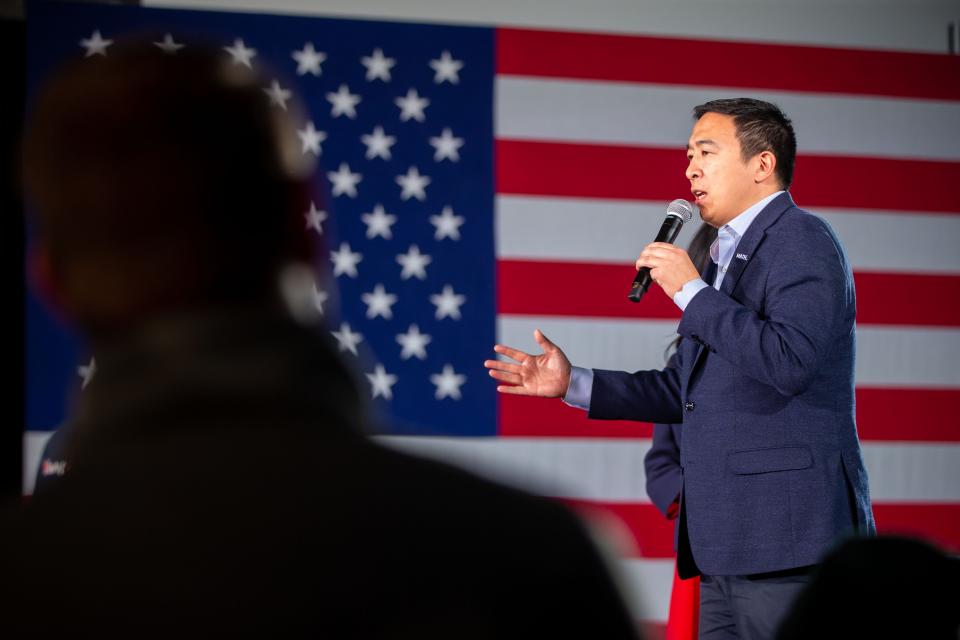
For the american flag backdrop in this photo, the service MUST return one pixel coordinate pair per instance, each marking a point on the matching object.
(477, 183)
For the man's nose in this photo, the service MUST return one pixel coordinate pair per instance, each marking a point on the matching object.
(693, 171)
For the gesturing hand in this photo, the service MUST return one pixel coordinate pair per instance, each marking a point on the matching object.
(546, 375)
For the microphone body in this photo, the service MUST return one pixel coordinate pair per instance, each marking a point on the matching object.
(678, 212)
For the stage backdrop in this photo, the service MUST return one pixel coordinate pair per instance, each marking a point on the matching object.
(477, 182)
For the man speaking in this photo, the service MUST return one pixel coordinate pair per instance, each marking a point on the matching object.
(763, 381)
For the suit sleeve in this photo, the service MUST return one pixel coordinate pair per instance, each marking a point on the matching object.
(644, 396)
(807, 298)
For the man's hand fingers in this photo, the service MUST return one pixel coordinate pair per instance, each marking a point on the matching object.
(663, 246)
(501, 365)
(510, 352)
(658, 251)
(659, 255)
(543, 341)
(517, 391)
(503, 376)
(646, 260)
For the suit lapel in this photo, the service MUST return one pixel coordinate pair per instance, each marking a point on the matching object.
(752, 239)
(709, 276)
(748, 244)
(745, 250)
(710, 273)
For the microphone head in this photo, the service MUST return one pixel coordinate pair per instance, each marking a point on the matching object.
(680, 208)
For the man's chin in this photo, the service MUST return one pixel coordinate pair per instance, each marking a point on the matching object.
(707, 216)
(714, 218)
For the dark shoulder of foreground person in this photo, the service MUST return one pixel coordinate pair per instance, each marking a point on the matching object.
(538, 555)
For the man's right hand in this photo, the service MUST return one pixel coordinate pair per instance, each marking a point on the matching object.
(546, 375)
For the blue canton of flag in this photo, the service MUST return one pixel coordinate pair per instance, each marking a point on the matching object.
(400, 121)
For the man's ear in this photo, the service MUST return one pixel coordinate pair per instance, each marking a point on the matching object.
(42, 277)
(766, 166)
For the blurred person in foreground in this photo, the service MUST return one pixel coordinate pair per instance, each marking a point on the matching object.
(219, 479)
(910, 588)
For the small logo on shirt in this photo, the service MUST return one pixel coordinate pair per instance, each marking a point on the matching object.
(742, 256)
(54, 467)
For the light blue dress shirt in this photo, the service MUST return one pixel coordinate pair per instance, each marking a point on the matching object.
(721, 252)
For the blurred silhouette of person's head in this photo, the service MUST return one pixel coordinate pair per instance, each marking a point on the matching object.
(219, 481)
(886, 587)
(160, 183)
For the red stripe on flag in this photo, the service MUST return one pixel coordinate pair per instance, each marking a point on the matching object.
(646, 173)
(641, 530)
(907, 299)
(590, 170)
(936, 523)
(576, 289)
(522, 416)
(909, 415)
(625, 58)
(876, 183)
(651, 534)
(534, 287)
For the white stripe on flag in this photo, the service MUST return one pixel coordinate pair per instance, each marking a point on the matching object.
(660, 115)
(604, 470)
(611, 470)
(647, 584)
(910, 472)
(33, 444)
(906, 357)
(596, 343)
(883, 26)
(614, 231)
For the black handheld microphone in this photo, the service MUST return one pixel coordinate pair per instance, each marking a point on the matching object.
(678, 212)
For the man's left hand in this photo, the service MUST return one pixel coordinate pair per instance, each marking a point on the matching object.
(670, 266)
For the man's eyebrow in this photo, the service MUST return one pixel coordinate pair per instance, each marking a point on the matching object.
(700, 143)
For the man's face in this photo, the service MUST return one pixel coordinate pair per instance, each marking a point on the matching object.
(722, 183)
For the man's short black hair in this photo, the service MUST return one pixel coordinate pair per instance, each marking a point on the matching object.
(761, 126)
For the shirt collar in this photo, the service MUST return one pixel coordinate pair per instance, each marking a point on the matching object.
(739, 225)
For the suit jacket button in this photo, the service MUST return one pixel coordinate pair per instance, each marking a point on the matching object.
(689, 406)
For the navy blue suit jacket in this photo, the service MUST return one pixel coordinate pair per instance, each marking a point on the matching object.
(763, 385)
(661, 464)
